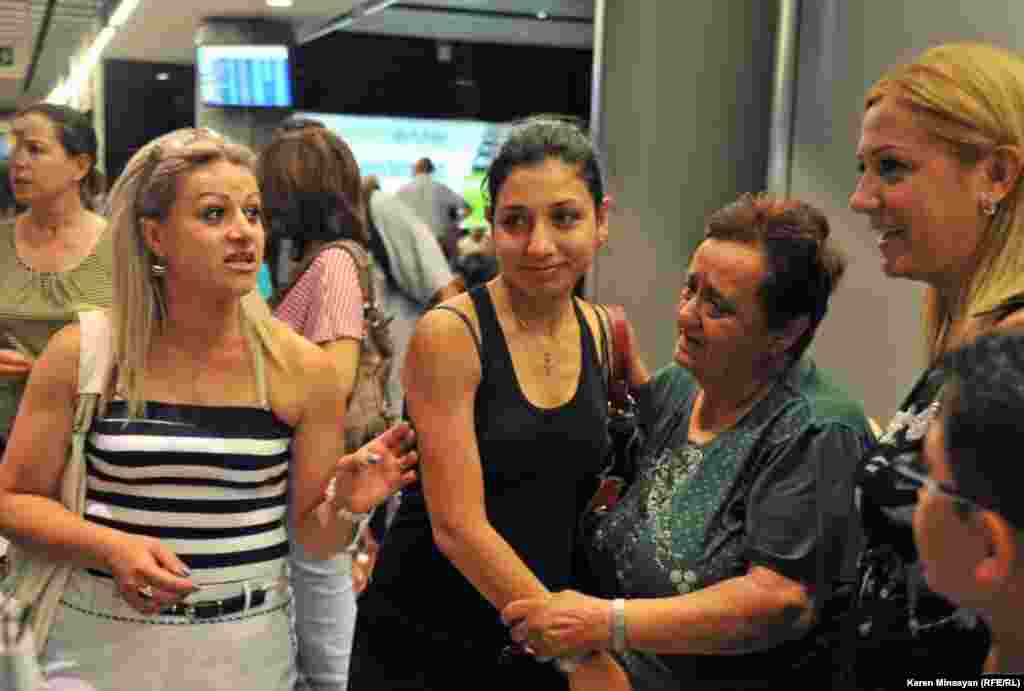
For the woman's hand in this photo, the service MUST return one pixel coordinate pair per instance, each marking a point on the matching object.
(14, 364)
(149, 576)
(364, 479)
(566, 623)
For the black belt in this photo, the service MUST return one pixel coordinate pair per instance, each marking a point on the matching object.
(210, 609)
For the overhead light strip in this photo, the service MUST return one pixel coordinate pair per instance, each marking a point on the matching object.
(358, 12)
(66, 89)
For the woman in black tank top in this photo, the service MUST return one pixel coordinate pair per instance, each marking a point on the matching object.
(941, 184)
(505, 388)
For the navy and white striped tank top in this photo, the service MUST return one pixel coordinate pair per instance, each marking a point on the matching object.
(211, 483)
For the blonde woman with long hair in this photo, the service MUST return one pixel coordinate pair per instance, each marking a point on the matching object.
(215, 415)
(941, 154)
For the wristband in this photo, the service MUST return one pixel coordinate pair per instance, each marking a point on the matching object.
(359, 521)
(619, 625)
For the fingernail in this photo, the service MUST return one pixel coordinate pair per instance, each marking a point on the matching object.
(373, 459)
(185, 571)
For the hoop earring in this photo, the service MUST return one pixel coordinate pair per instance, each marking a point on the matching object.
(988, 207)
(158, 269)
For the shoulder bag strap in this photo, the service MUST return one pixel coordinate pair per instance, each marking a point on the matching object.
(362, 262)
(42, 582)
(606, 345)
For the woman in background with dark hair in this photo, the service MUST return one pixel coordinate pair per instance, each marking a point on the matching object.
(56, 256)
(311, 190)
(738, 521)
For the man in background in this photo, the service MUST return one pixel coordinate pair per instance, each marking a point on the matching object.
(436, 204)
(414, 274)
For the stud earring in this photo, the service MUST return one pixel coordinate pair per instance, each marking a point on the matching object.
(988, 207)
(158, 269)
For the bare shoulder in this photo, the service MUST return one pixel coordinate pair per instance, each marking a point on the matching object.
(443, 351)
(449, 321)
(60, 357)
(303, 378)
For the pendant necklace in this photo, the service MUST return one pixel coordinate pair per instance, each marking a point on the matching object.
(549, 360)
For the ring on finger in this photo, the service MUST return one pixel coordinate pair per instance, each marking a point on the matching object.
(146, 592)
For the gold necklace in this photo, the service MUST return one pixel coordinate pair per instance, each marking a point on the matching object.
(549, 360)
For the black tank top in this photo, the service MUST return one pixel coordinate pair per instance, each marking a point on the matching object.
(540, 467)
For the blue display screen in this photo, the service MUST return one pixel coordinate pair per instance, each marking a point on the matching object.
(254, 76)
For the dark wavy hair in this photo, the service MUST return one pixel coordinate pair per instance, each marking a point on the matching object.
(535, 140)
(803, 267)
(982, 407)
(76, 134)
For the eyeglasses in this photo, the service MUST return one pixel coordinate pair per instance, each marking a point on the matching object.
(920, 480)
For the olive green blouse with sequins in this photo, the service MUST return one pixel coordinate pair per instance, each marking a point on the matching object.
(34, 305)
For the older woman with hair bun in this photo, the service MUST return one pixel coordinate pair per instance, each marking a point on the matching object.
(737, 524)
(218, 419)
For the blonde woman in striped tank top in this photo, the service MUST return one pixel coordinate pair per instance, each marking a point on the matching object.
(219, 419)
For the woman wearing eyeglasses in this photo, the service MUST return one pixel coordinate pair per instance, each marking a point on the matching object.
(217, 420)
(941, 154)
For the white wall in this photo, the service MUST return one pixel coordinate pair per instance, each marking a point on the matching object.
(872, 338)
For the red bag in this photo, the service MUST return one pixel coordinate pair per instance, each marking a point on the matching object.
(623, 428)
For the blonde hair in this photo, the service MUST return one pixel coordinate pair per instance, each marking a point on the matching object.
(970, 96)
(147, 188)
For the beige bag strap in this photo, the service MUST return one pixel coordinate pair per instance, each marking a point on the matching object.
(36, 579)
(362, 259)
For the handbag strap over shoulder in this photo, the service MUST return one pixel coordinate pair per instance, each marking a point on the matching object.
(35, 579)
(95, 364)
(359, 256)
(619, 350)
(362, 261)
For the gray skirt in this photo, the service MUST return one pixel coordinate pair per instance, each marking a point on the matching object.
(116, 648)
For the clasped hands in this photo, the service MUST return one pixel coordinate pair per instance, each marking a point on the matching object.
(565, 623)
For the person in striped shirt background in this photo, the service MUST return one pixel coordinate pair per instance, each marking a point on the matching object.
(312, 193)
